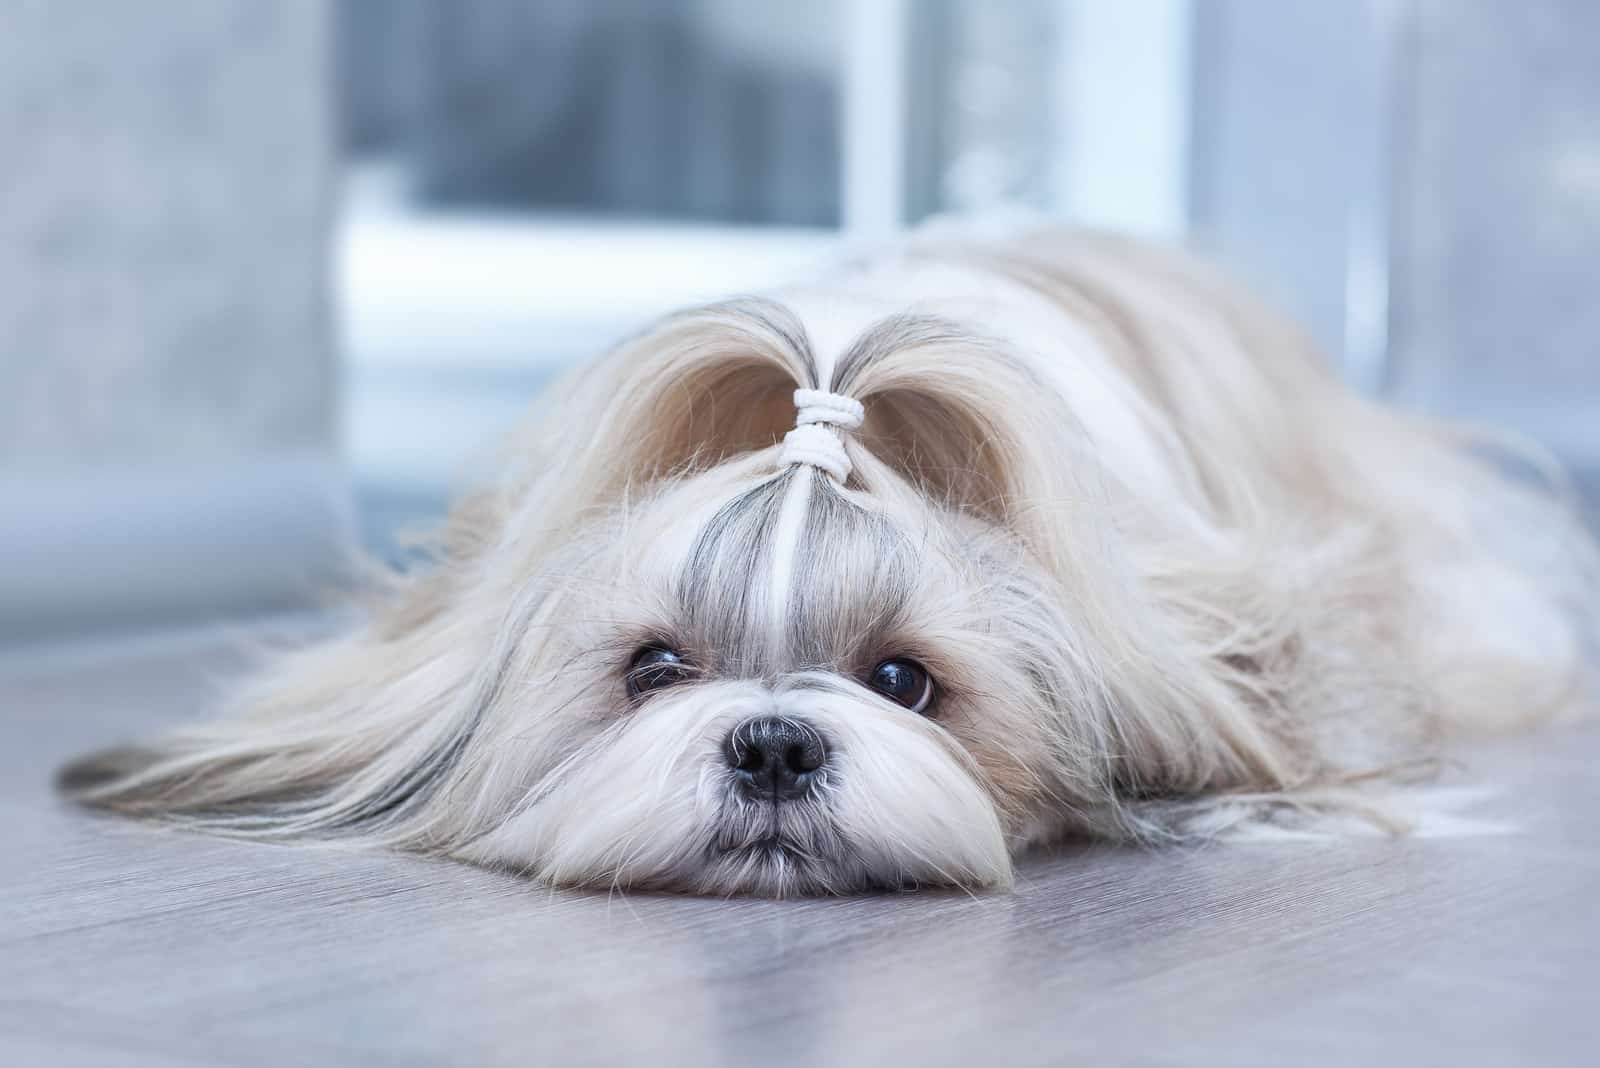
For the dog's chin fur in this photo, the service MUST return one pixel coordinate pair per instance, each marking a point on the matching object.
(1168, 576)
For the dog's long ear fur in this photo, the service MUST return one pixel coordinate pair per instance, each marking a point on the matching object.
(355, 736)
(972, 425)
(1326, 587)
(348, 737)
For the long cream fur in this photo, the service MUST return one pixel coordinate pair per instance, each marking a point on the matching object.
(1168, 573)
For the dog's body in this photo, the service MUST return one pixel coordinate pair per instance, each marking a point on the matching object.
(1071, 537)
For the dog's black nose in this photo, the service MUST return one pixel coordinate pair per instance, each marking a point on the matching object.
(773, 756)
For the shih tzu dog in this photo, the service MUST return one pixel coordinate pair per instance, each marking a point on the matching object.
(879, 582)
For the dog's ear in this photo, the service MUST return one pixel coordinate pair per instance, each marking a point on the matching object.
(968, 423)
(348, 737)
(688, 393)
(355, 736)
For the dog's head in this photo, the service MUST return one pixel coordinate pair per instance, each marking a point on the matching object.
(775, 682)
(757, 609)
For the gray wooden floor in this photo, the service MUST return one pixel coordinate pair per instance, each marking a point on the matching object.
(126, 945)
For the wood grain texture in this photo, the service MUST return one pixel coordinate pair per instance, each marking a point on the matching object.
(121, 944)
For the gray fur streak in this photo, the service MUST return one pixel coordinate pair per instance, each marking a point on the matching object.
(853, 578)
(719, 584)
(853, 575)
(895, 334)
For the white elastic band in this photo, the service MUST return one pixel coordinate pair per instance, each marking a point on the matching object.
(833, 408)
(814, 440)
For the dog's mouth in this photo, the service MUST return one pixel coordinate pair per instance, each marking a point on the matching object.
(770, 830)
(773, 850)
(776, 866)
(793, 846)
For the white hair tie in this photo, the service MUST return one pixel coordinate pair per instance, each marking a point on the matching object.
(814, 440)
(833, 408)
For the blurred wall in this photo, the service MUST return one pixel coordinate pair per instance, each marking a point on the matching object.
(163, 210)
(1497, 235)
(1418, 182)
(166, 383)
(1292, 124)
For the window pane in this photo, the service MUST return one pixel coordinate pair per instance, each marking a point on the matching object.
(681, 109)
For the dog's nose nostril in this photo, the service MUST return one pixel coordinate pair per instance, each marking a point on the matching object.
(774, 756)
(752, 759)
(801, 759)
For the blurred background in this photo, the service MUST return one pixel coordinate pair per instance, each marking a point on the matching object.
(271, 271)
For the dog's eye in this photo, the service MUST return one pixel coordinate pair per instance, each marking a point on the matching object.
(653, 668)
(904, 682)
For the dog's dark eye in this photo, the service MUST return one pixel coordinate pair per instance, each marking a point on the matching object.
(653, 668)
(905, 682)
